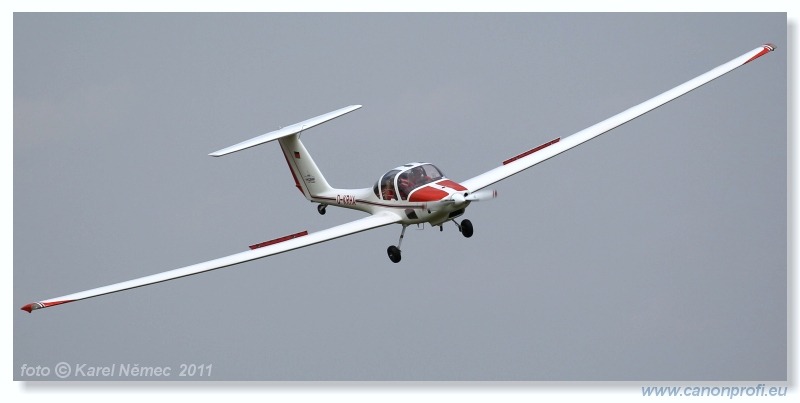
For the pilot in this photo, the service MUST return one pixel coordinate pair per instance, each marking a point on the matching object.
(405, 184)
(388, 190)
(419, 177)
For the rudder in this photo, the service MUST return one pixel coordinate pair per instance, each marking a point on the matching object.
(307, 175)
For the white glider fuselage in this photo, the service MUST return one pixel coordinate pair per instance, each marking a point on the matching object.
(430, 203)
(416, 192)
(409, 212)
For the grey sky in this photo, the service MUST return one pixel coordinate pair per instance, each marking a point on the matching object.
(656, 252)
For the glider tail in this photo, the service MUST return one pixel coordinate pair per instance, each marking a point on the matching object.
(307, 176)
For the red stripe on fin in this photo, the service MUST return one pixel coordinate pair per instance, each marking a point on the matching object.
(296, 182)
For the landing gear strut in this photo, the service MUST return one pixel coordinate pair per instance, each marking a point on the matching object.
(321, 209)
(394, 251)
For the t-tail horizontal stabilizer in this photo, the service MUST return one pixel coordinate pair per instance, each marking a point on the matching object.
(286, 131)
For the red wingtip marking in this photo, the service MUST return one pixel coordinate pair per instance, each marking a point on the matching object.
(765, 49)
(531, 151)
(279, 240)
(39, 305)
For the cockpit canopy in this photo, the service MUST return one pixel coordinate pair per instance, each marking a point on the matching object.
(398, 183)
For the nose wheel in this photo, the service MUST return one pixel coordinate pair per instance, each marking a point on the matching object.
(465, 228)
(321, 209)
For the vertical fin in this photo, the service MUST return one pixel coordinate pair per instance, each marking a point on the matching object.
(307, 176)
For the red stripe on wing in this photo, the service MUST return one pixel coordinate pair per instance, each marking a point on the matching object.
(531, 151)
(279, 240)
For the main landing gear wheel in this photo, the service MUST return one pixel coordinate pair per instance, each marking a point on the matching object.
(394, 251)
(466, 228)
(321, 209)
(394, 254)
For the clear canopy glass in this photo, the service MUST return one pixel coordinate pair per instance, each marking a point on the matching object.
(398, 183)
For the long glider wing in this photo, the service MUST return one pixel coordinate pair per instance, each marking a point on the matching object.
(257, 251)
(548, 150)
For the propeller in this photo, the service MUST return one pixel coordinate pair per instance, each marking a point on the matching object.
(458, 199)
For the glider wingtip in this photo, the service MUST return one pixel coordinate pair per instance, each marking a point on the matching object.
(39, 305)
(31, 307)
(220, 153)
(765, 48)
